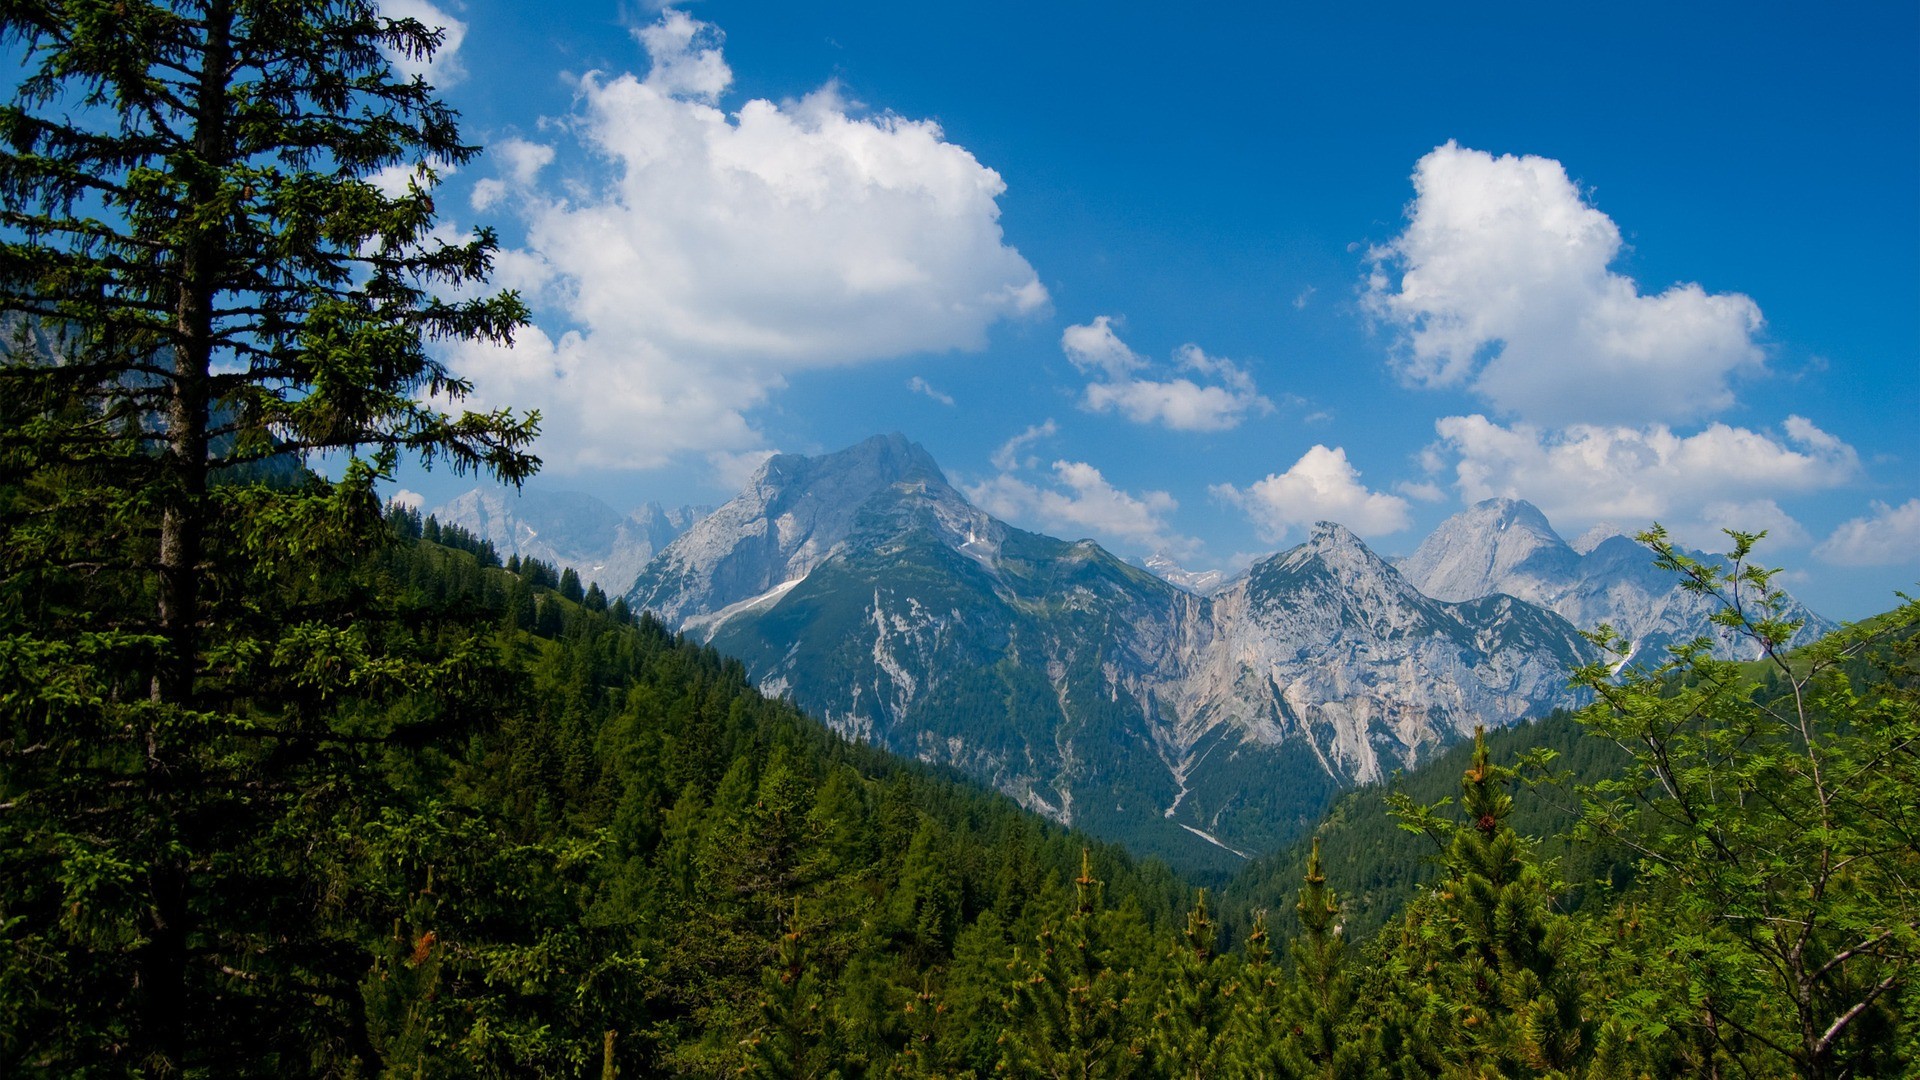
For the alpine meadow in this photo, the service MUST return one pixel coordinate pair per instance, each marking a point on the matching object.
(350, 726)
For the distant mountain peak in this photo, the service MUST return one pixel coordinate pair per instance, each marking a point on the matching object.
(569, 529)
(1597, 535)
(793, 514)
(1492, 543)
(1199, 582)
(883, 459)
(1508, 546)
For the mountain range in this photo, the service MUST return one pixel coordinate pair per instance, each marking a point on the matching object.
(570, 529)
(1192, 717)
(1507, 546)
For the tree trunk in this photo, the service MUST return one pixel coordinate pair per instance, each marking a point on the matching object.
(164, 990)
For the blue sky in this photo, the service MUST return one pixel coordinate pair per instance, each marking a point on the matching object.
(1193, 280)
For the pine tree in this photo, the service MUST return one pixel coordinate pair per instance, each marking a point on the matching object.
(203, 283)
(1190, 1025)
(1071, 1013)
(1483, 965)
(1321, 1038)
(796, 1037)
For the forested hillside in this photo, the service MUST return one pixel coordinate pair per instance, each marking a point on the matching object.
(1378, 867)
(577, 841)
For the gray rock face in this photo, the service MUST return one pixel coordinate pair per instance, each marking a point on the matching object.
(791, 516)
(570, 529)
(1506, 546)
(1364, 667)
(1199, 728)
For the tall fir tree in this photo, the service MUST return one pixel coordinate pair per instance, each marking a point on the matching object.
(1322, 1036)
(204, 282)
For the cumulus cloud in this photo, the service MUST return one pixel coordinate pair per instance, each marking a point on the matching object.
(1500, 284)
(1695, 484)
(921, 386)
(1752, 516)
(394, 180)
(1078, 501)
(1179, 403)
(1888, 536)
(1008, 457)
(708, 255)
(1322, 486)
(446, 68)
(520, 161)
(407, 498)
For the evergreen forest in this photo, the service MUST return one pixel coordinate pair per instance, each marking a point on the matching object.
(296, 783)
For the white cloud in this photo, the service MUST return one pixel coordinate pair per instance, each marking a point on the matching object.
(731, 471)
(1095, 349)
(713, 254)
(921, 386)
(1077, 501)
(687, 62)
(394, 180)
(520, 160)
(1426, 492)
(1321, 486)
(410, 499)
(1503, 287)
(1752, 515)
(446, 68)
(1008, 459)
(1181, 404)
(1695, 484)
(1889, 536)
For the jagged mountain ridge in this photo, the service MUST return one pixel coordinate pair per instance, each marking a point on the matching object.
(868, 589)
(570, 529)
(1203, 582)
(1507, 546)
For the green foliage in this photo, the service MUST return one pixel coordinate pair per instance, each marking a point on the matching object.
(1377, 868)
(1485, 964)
(201, 283)
(1777, 827)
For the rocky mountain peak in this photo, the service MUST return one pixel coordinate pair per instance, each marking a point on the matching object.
(1491, 547)
(794, 512)
(1507, 546)
(1334, 549)
(1597, 535)
(868, 466)
(1199, 582)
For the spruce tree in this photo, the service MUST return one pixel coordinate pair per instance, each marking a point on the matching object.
(204, 280)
